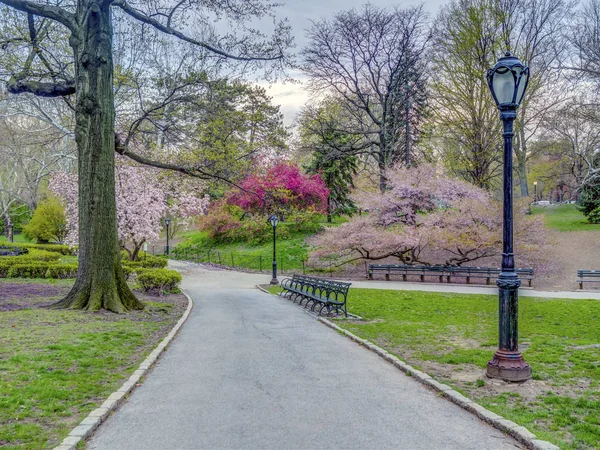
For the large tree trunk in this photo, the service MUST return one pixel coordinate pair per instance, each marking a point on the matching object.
(100, 283)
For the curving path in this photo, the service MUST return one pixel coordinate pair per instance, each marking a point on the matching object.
(252, 371)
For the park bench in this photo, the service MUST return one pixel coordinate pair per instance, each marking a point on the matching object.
(486, 273)
(449, 272)
(327, 295)
(587, 276)
(405, 270)
(12, 251)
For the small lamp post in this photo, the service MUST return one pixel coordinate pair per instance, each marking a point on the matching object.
(508, 80)
(167, 222)
(535, 191)
(274, 220)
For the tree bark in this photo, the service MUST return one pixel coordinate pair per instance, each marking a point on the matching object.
(100, 283)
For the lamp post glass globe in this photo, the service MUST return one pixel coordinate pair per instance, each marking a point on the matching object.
(274, 220)
(508, 81)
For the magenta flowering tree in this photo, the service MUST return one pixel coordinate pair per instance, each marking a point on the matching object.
(141, 204)
(282, 189)
(426, 217)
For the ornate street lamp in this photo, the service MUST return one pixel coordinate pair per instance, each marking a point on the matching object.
(535, 191)
(274, 220)
(167, 222)
(508, 80)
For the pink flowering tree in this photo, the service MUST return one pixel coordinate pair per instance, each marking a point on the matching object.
(426, 217)
(282, 189)
(141, 205)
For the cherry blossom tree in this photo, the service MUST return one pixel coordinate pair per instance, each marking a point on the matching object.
(426, 217)
(141, 204)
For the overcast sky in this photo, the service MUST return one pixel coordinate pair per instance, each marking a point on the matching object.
(299, 14)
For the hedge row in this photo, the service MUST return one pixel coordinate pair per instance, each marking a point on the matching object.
(39, 270)
(58, 248)
(150, 271)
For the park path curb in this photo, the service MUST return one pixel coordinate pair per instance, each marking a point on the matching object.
(88, 425)
(521, 434)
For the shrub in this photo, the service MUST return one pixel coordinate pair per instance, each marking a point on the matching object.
(148, 262)
(594, 215)
(160, 280)
(48, 222)
(58, 248)
(31, 270)
(62, 271)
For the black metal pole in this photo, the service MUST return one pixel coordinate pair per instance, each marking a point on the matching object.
(508, 363)
(167, 248)
(535, 192)
(274, 280)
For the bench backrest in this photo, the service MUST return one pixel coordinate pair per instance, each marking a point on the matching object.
(588, 273)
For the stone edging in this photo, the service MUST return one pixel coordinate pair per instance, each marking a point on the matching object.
(88, 425)
(521, 434)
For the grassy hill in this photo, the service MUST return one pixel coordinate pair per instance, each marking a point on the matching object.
(565, 218)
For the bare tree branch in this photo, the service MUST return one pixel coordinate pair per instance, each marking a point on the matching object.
(167, 29)
(51, 12)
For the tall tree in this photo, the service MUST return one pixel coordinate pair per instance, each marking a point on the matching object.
(323, 137)
(85, 68)
(372, 60)
(534, 30)
(466, 40)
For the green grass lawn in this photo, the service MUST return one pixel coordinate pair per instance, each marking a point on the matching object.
(452, 336)
(565, 218)
(58, 365)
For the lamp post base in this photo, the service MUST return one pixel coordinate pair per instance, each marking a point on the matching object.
(274, 281)
(508, 366)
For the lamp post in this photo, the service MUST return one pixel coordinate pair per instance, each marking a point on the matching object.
(167, 222)
(535, 191)
(508, 80)
(274, 220)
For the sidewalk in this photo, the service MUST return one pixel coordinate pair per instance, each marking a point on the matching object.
(250, 371)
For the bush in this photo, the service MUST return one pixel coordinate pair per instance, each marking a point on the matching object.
(228, 223)
(58, 248)
(62, 271)
(31, 270)
(160, 280)
(48, 222)
(594, 216)
(147, 262)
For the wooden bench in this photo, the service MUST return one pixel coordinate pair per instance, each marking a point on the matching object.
(449, 272)
(587, 276)
(327, 295)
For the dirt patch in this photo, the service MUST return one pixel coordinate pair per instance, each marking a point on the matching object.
(9, 291)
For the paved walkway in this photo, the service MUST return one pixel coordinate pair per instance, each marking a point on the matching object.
(252, 371)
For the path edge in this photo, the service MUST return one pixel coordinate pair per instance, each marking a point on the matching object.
(90, 424)
(520, 433)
